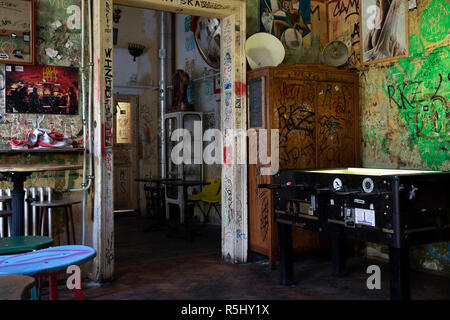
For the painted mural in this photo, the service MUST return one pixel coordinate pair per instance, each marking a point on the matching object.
(312, 41)
(289, 21)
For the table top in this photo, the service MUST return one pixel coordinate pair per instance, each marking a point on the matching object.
(6, 148)
(20, 244)
(156, 179)
(14, 287)
(373, 171)
(45, 260)
(186, 183)
(7, 168)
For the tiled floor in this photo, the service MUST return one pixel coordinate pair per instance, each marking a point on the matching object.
(150, 265)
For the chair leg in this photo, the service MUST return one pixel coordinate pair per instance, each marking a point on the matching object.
(66, 213)
(8, 230)
(71, 222)
(46, 231)
(53, 284)
(217, 210)
(34, 295)
(78, 293)
(39, 216)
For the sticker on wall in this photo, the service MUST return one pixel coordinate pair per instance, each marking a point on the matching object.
(42, 89)
(190, 43)
(187, 23)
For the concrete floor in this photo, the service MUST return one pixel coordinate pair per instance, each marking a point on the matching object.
(151, 265)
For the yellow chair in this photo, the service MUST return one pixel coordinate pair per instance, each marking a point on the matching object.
(210, 193)
(213, 201)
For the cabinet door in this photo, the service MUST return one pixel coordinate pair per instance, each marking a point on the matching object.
(336, 125)
(293, 113)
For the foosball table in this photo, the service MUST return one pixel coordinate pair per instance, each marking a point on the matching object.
(396, 208)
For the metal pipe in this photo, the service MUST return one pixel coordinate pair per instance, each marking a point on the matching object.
(162, 93)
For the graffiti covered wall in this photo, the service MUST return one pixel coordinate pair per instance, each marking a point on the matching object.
(404, 104)
(58, 42)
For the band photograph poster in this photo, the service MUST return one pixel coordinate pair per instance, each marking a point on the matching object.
(384, 30)
(41, 89)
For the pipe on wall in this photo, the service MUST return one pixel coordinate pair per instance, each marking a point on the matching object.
(165, 48)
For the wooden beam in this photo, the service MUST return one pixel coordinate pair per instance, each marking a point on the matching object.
(103, 226)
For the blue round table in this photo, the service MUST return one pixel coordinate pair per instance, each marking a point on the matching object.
(47, 262)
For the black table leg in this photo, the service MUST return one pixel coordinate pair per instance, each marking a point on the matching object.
(338, 254)
(286, 262)
(18, 197)
(399, 273)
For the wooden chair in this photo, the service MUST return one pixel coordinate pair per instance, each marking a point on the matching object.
(53, 204)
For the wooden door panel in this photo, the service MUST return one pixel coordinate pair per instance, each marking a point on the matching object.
(294, 116)
(336, 121)
(260, 218)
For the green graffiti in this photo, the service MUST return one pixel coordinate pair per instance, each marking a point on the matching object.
(416, 46)
(435, 22)
(374, 141)
(423, 101)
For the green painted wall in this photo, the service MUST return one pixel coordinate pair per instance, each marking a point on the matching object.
(405, 118)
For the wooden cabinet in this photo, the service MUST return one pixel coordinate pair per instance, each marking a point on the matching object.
(315, 108)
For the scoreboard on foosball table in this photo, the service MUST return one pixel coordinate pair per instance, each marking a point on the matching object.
(396, 208)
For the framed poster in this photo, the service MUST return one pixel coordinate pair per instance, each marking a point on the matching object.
(384, 30)
(17, 32)
(41, 89)
(256, 103)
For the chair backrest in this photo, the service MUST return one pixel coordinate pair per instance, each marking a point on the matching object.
(213, 188)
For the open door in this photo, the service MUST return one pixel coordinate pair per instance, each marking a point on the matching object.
(126, 153)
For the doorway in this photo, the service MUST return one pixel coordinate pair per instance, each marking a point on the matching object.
(125, 153)
(233, 115)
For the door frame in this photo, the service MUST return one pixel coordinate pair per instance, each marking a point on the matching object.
(233, 116)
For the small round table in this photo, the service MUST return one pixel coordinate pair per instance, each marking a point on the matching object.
(17, 174)
(20, 244)
(47, 262)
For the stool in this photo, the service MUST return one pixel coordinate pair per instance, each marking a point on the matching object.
(14, 287)
(21, 244)
(43, 215)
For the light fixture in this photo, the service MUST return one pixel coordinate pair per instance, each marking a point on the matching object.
(135, 50)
